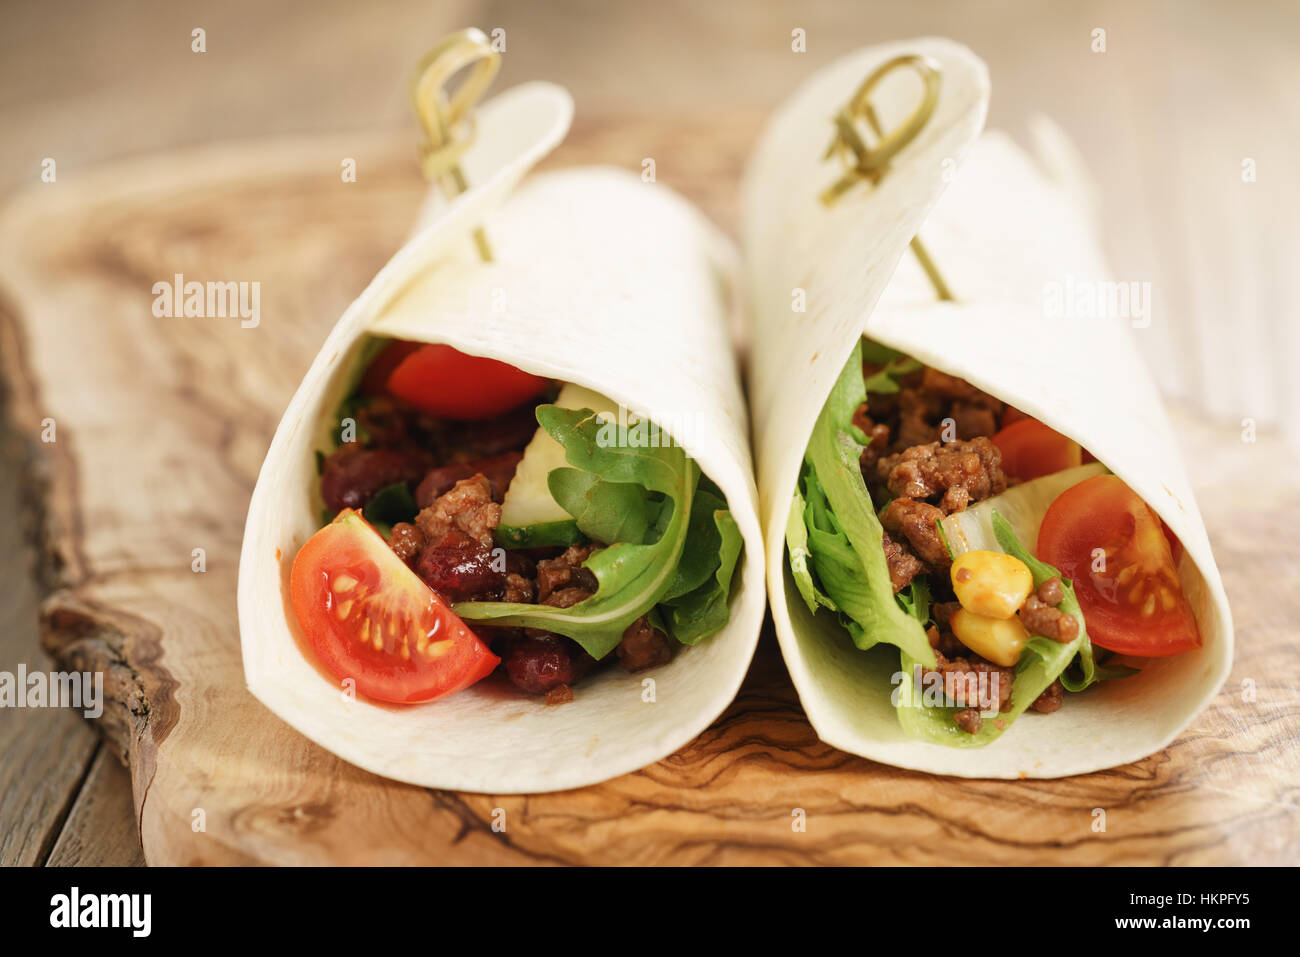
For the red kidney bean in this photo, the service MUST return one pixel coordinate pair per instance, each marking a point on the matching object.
(352, 475)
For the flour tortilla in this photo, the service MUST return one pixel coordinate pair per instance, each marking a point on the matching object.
(1007, 238)
(598, 279)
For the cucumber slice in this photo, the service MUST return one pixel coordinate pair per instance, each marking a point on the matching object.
(528, 500)
(1023, 506)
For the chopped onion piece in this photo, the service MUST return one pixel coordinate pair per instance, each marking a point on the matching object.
(1023, 506)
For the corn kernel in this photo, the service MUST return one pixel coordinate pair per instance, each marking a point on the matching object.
(1000, 640)
(991, 584)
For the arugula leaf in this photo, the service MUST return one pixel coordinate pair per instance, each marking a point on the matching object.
(604, 511)
(540, 535)
(697, 609)
(632, 576)
(390, 505)
(846, 538)
(700, 557)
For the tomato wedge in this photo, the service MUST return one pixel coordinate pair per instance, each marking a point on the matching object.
(1011, 414)
(375, 379)
(1031, 450)
(444, 382)
(1132, 601)
(371, 619)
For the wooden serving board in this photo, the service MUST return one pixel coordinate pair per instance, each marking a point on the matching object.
(160, 428)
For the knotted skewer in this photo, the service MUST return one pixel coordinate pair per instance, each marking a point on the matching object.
(870, 163)
(448, 120)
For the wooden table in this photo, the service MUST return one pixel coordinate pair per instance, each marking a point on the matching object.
(182, 415)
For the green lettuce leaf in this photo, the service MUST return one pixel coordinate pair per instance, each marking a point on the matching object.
(885, 381)
(877, 353)
(352, 400)
(894, 365)
(839, 569)
(796, 542)
(915, 599)
(845, 537)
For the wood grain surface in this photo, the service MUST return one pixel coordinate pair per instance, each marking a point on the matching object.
(161, 427)
(91, 836)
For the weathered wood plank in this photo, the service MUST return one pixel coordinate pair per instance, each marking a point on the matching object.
(45, 756)
(44, 753)
(100, 830)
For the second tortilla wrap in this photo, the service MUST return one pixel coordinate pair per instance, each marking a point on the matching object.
(1002, 236)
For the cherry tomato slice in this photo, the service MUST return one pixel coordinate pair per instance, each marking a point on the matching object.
(371, 619)
(1011, 414)
(1129, 590)
(444, 382)
(375, 379)
(1031, 450)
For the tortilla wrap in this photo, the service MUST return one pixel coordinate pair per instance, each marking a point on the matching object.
(607, 282)
(1006, 239)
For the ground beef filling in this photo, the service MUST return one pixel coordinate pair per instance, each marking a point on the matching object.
(955, 473)
(564, 574)
(931, 455)
(969, 681)
(914, 523)
(1050, 700)
(644, 646)
(1040, 616)
(918, 412)
(903, 564)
